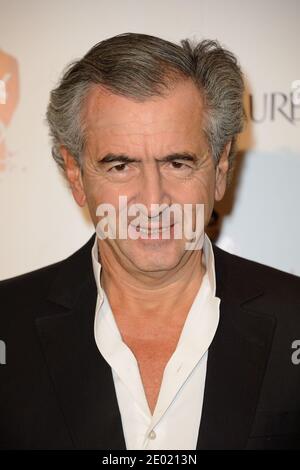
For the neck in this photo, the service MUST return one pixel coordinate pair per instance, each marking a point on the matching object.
(145, 295)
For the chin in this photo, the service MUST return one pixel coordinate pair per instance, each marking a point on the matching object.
(156, 255)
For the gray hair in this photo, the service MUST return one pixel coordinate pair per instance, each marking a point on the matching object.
(140, 66)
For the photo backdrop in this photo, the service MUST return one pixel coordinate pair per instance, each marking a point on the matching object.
(40, 222)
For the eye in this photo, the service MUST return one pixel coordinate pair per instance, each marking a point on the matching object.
(119, 168)
(178, 165)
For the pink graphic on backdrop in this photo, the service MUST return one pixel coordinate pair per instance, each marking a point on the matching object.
(9, 97)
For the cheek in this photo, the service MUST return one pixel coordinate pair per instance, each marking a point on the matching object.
(194, 189)
(93, 195)
(203, 192)
(99, 192)
(209, 205)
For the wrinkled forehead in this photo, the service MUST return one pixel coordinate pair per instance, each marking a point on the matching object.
(181, 109)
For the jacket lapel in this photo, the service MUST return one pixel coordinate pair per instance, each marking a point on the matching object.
(237, 359)
(81, 377)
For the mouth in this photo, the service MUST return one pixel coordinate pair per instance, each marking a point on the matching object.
(152, 230)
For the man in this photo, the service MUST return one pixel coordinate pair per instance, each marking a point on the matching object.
(140, 342)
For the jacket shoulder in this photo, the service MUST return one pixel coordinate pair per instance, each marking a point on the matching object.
(280, 289)
(243, 265)
(34, 282)
(26, 290)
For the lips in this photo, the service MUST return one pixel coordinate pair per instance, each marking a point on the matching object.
(152, 228)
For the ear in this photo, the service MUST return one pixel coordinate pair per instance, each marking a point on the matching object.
(74, 176)
(221, 173)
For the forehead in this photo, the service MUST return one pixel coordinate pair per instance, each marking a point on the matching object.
(180, 111)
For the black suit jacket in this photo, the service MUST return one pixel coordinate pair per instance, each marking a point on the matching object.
(57, 391)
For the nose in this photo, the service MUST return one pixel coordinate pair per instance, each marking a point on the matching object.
(153, 189)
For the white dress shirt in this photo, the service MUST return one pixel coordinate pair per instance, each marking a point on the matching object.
(175, 422)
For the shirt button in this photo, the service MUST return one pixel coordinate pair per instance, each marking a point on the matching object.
(152, 434)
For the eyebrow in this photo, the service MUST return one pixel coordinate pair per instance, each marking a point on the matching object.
(123, 158)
